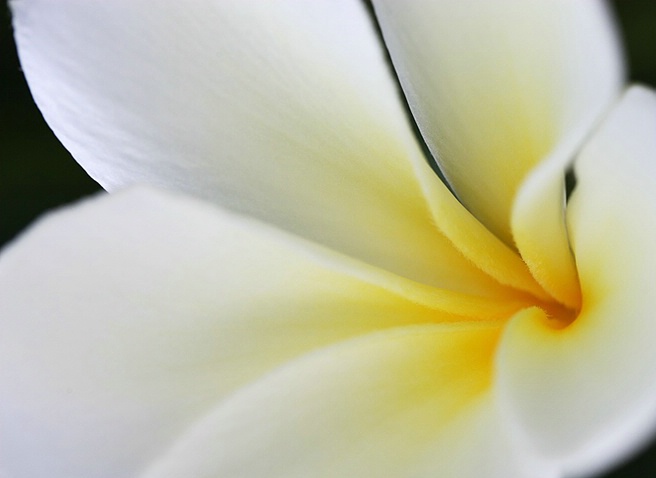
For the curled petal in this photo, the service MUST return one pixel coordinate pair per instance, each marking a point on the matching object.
(495, 87)
(584, 395)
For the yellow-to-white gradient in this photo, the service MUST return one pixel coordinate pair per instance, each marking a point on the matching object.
(280, 286)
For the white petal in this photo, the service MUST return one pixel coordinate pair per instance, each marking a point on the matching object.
(282, 110)
(497, 86)
(585, 395)
(126, 318)
(405, 402)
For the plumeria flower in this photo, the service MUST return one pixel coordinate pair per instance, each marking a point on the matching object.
(296, 293)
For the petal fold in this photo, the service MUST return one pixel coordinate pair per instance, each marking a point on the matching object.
(585, 395)
(495, 87)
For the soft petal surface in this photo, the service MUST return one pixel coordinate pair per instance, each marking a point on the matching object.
(585, 395)
(126, 318)
(497, 86)
(401, 403)
(476, 242)
(282, 110)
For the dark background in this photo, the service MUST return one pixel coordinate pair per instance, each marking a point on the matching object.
(37, 173)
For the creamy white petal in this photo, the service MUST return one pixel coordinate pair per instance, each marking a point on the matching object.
(408, 402)
(497, 86)
(585, 395)
(126, 318)
(283, 110)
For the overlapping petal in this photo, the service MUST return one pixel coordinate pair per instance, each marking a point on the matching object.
(585, 394)
(282, 110)
(126, 318)
(252, 350)
(498, 87)
(495, 86)
(398, 403)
